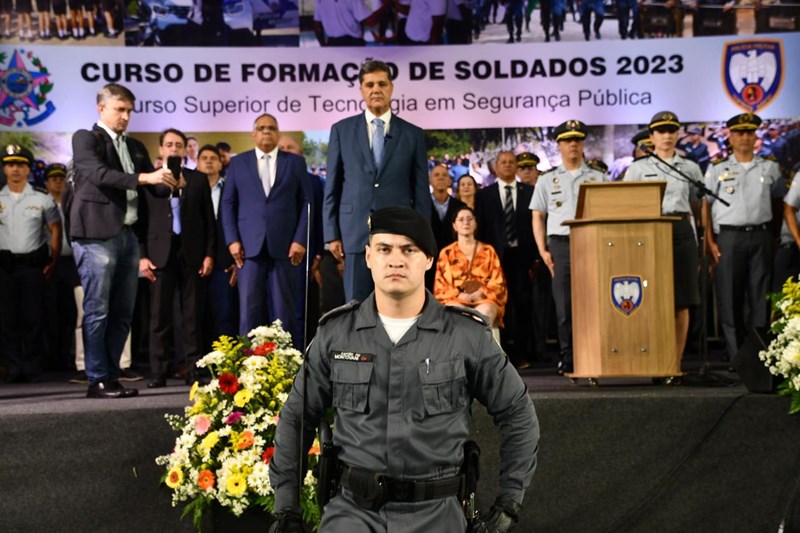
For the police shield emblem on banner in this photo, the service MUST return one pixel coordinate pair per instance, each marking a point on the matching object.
(626, 294)
(752, 72)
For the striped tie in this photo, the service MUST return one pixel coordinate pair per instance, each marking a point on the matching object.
(508, 217)
(377, 141)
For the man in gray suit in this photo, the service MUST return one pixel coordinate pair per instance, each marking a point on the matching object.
(375, 160)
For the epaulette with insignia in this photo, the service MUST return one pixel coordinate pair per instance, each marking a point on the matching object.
(352, 304)
(40, 189)
(469, 313)
(719, 160)
(770, 157)
(597, 165)
(641, 157)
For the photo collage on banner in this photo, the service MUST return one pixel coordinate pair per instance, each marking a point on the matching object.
(603, 62)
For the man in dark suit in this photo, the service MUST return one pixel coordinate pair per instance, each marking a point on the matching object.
(504, 221)
(110, 172)
(265, 218)
(222, 315)
(443, 209)
(375, 160)
(177, 252)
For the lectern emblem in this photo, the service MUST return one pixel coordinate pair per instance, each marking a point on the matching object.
(626, 294)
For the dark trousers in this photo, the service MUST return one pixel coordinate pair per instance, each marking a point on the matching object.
(357, 277)
(787, 264)
(267, 292)
(175, 275)
(332, 290)
(516, 333)
(62, 314)
(21, 298)
(562, 295)
(223, 308)
(743, 279)
(542, 304)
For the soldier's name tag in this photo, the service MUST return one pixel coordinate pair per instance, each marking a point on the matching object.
(353, 356)
(556, 190)
(651, 175)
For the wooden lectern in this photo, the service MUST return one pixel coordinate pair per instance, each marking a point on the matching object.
(623, 316)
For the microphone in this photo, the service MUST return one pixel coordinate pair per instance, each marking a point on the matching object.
(174, 166)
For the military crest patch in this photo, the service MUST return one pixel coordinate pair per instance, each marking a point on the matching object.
(626, 294)
(752, 72)
(24, 86)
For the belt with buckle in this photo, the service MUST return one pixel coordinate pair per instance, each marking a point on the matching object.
(754, 227)
(372, 490)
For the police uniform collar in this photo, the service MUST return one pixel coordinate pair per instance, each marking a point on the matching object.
(431, 317)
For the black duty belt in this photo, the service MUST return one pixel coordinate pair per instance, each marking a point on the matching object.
(372, 490)
(754, 227)
(683, 216)
(562, 238)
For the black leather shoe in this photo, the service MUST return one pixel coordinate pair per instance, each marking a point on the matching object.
(157, 382)
(110, 389)
(564, 367)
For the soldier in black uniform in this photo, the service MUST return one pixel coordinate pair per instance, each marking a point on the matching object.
(401, 372)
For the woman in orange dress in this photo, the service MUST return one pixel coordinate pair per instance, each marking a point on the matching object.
(468, 272)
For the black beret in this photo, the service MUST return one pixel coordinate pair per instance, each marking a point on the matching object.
(407, 222)
(571, 129)
(54, 170)
(527, 159)
(744, 122)
(14, 153)
(664, 118)
(641, 137)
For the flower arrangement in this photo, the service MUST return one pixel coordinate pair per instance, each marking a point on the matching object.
(227, 434)
(782, 356)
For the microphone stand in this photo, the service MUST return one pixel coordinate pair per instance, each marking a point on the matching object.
(704, 377)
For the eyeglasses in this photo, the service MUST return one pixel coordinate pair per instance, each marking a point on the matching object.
(462, 220)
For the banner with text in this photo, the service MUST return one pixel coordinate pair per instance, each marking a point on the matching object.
(49, 88)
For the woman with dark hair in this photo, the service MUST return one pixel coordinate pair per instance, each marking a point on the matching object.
(466, 189)
(468, 272)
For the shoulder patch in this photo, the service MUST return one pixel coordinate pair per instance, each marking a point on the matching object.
(342, 309)
(469, 313)
(719, 160)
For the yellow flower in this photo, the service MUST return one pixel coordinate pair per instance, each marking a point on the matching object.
(242, 397)
(210, 441)
(236, 485)
(193, 390)
(174, 478)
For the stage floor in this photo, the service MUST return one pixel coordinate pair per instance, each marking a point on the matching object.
(626, 455)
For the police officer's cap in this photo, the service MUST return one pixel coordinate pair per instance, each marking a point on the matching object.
(571, 129)
(14, 153)
(407, 222)
(744, 122)
(527, 159)
(664, 119)
(55, 170)
(642, 137)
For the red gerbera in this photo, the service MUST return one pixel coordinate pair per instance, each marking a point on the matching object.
(228, 383)
(264, 349)
(267, 455)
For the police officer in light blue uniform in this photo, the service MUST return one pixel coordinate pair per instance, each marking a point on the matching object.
(787, 258)
(678, 199)
(739, 238)
(26, 262)
(554, 201)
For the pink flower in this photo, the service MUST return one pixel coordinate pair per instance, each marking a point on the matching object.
(233, 418)
(201, 424)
